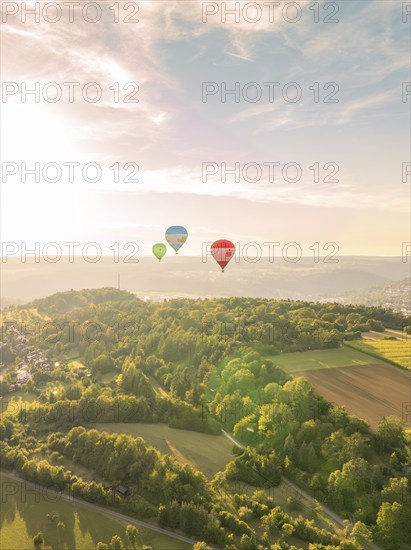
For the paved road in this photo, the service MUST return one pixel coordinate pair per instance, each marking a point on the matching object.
(233, 440)
(295, 487)
(299, 491)
(107, 511)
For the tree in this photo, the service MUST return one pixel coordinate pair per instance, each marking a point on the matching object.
(394, 462)
(376, 325)
(201, 546)
(247, 543)
(390, 433)
(396, 490)
(103, 363)
(38, 540)
(287, 530)
(393, 521)
(302, 456)
(102, 546)
(361, 535)
(116, 543)
(290, 447)
(346, 484)
(132, 534)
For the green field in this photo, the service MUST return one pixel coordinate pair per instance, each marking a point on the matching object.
(397, 351)
(12, 401)
(77, 469)
(323, 359)
(207, 453)
(107, 377)
(23, 515)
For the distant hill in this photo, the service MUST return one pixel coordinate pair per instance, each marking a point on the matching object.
(190, 276)
(61, 302)
(394, 295)
(6, 301)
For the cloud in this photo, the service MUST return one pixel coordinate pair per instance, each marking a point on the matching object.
(169, 132)
(305, 192)
(238, 56)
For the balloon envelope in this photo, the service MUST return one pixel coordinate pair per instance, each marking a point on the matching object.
(176, 236)
(222, 252)
(159, 249)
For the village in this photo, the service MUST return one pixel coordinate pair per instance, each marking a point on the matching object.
(28, 357)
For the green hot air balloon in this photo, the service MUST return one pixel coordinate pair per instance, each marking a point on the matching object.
(159, 249)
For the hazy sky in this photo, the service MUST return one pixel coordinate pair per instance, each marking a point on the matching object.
(169, 53)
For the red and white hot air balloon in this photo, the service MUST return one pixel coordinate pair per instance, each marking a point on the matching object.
(222, 252)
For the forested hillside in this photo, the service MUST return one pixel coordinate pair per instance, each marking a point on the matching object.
(104, 356)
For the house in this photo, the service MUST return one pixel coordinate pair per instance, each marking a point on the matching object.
(23, 376)
(122, 490)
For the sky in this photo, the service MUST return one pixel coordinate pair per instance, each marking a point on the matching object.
(170, 147)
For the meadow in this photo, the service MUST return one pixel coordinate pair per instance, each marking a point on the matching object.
(12, 402)
(207, 453)
(302, 361)
(26, 514)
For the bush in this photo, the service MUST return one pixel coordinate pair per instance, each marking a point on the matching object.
(140, 506)
(294, 503)
(245, 513)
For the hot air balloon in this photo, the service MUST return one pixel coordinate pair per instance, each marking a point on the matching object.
(176, 236)
(222, 252)
(159, 249)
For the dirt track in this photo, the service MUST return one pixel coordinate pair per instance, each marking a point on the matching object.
(368, 391)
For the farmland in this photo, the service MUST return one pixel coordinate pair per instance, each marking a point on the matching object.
(367, 386)
(397, 351)
(368, 391)
(207, 453)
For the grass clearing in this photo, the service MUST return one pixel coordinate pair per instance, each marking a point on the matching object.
(13, 402)
(207, 453)
(75, 365)
(76, 469)
(157, 388)
(84, 528)
(107, 377)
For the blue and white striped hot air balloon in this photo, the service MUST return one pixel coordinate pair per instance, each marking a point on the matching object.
(176, 236)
